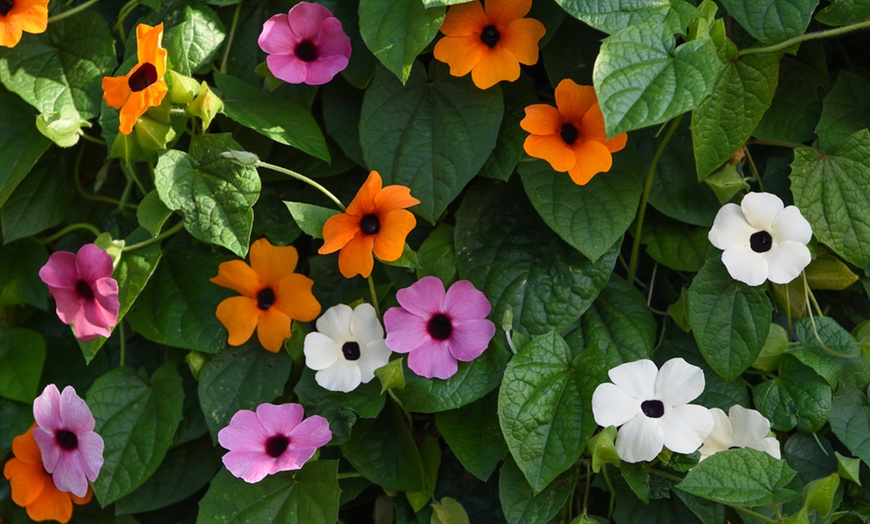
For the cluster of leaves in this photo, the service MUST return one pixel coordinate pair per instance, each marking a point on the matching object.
(581, 278)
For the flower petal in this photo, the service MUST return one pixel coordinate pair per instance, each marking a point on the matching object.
(91, 447)
(749, 426)
(245, 432)
(324, 69)
(320, 350)
(250, 466)
(730, 228)
(280, 419)
(503, 12)
(433, 360)
(392, 198)
(636, 378)
(574, 100)
(312, 432)
(305, 19)
(611, 406)
(405, 331)
(60, 271)
(465, 19)
(69, 475)
(28, 481)
(769, 445)
(639, 439)
(332, 41)
(592, 125)
(760, 209)
(52, 504)
(295, 298)
(276, 37)
(496, 65)
(239, 315)
(521, 38)
(463, 302)
(364, 201)
(470, 338)
(355, 258)
(592, 158)
(423, 298)
(273, 329)
(552, 149)
(338, 230)
(364, 324)
(75, 415)
(389, 242)
(148, 50)
(746, 265)
(461, 53)
(790, 224)
(542, 119)
(685, 427)
(342, 375)
(46, 409)
(272, 263)
(786, 260)
(239, 277)
(721, 437)
(679, 382)
(374, 355)
(288, 68)
(335, 323)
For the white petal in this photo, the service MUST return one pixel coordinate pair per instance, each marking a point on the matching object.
(636, 378)
(769, 445)
(611, 406)
(786, 260)
(640, 439)
(335, 323)
(790, 224)
(364, 325)
(750, 426)
(760, 209)
(679, 382)
(342, 376)
(745, 265)
(721, 437)
(373, 355)
(685, 427)
(730, 228)
(320, 351)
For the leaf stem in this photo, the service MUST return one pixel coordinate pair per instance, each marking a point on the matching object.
(753, 514)
(780, 143)
(67, 229)
(302, 178)
(785, 44)
(123, 342)
(807, 295)
(644, 198)
(168, 233)
(74, 11)
(612, 503)
(664, 474)
(374, 296)
(223, 68)
(349, 475)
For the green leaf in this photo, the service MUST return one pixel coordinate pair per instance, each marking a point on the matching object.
(22, 354)
(193, 41)
(850, 421)
(517, 261)
(835, 354)
(503, 160)
(845, 110)
(430, 455)
(19, 275)
(777, 343)
(310, 218)
(437, 254)
(819, 494)
(744, 477)
(679, 246)
(523, 505)
(391, 375)
(849, 468)
(396, 31)
(829, 272)
(772, 21)
(620, 323)
(137, 418)
(742, 93)
(440, 3)
(544, 409)
(602, 449)
(812, 456)
(21, 144)
(642, 78)
(214, 195)
(15, 419)
(610, 16)
(308, 495)
(798, 397)
(796, 104)
(448, 510)
(844, 12)
(63, 66)
(432, 134)
(729, 319)
(152, 213)
(240, 378)
(473, 434)
(41, 201)
(281, 120)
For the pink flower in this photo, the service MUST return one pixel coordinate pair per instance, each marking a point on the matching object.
(71, 452)
(305, 46)
(85, 292)
(437, 329)
(273, 439)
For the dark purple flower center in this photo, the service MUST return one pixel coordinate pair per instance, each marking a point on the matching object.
(569, 133)
(350, 350)
(84, 290)
(370, 225)
(653, 408)
(306, 51)
(761, 241)
(277, 445)
(66, 439)
(142, 77)
(265, 298)
(6, 6)
(440, 327)
(489, 36)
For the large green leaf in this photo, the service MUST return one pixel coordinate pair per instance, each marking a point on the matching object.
(473, 434)
(643, 78)
(19, 274)
(843, 12)
(845, 110)
(729, 319)
(137, 417)
(678, 245)
(772, 21)
(63, 66)
(396, 31)
(829, 188)
(41, 201)
(796, 105)
(21, 144)
(523, 505)
(214, 195)
(722, 124)
(798, 397)
(850, 421)
(432, 134)
(15, 418)
(193, 40)
(834, 353)
(620, 323)
(22, 354)
(610, 15)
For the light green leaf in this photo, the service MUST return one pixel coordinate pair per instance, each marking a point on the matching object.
(819, 494)
(473, 434)
(610, 16)
(829, 272)
(849, 468)
(772, 21)
(448, 511)
(21, 144)
(22, 354)
(523, 505)
(850, 421)
(844, 12)
(193, 41)
(845, 110)
(310, 218)
(152, 213)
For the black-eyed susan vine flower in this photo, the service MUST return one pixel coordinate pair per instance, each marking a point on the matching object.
(21, 16)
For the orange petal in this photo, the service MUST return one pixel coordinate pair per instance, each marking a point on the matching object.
(616, 143)
(574, 100)
(273, 329)
(552, 149)
(116, 90)
(496, 65)
(592, 158)
(28, 481)
(392, 198)
(521, 38)
(464, 19)
(25, 449)
(503, 12)
(338, 230)
(390, 241)
(148, 41)
(52, 504)
(132, 109)
(239, 315)
(239, 277)
(83, 500)
(461, 53)
(272, 263)
(363, 202)
(32, 16)
(10, 33)
(542, 119)
(295, 298)
(592, 125)
(356, 257)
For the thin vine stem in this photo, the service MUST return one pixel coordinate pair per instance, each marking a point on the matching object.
(223, 68)
(807, 295)
(374, 296)
(780, 143)
(303, 178)
(759, 516)
(865, 24)
(74, 11)
(612, 503)
(67, 229)
(159, 238)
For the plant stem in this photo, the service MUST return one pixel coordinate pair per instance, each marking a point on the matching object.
(158, 238)
(349, 475)
(865, 24)
(302, 178)
(374, 296)
(753, 514)
(664, 474)
(223, 68)
(123, 342)
(67, 229)
(74, 11)
(780, 143)
(644, 198)
(612, 493)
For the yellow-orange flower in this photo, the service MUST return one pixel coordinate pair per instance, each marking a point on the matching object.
(376, 220)
(571, 136)
(490, 41)
(17, 16)
(272, 296)
(143, 86)
(32, 487)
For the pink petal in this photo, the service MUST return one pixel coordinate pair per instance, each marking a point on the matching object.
(277, 37)
(424, 297)
(470, 339)
(68, 303)
(93, 263)
(331, 41)
(48, 448)
(324, 69)
(75, 415)
(305, 19)
(311, 432)
(69, 474)
(106, 292)
(248, 465)
(91, 450)
(92, 321)
(433, 360)
(244, 432)
(60, 271)
(280, 419)
(47, 409)
(288, 68)
(464, 302)
(405, 331)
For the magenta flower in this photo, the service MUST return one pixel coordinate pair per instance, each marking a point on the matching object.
(71, 452)
(275, 438)
(305, 46)
(437, 329)
(84, 290)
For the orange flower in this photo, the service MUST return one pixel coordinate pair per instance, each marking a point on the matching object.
(32, 487)
(571, 136)
(490, 41)
(21, 15)
(272, 296)
(143, 86)
(375, 220)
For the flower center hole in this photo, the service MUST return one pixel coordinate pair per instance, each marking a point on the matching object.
(489, 36)
(276, 445)
(761, 241)
(569, 133)
(142, 77)
(440, 327)
(350, 350)
(653, 408)
(306, 51)
(67, 439)
(370, 224)
(84, 290)
(265, 298)
(6, 6)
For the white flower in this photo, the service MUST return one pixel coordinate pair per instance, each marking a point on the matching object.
(652, 406)
(741, 428)
(348, 348)
(761, 240)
